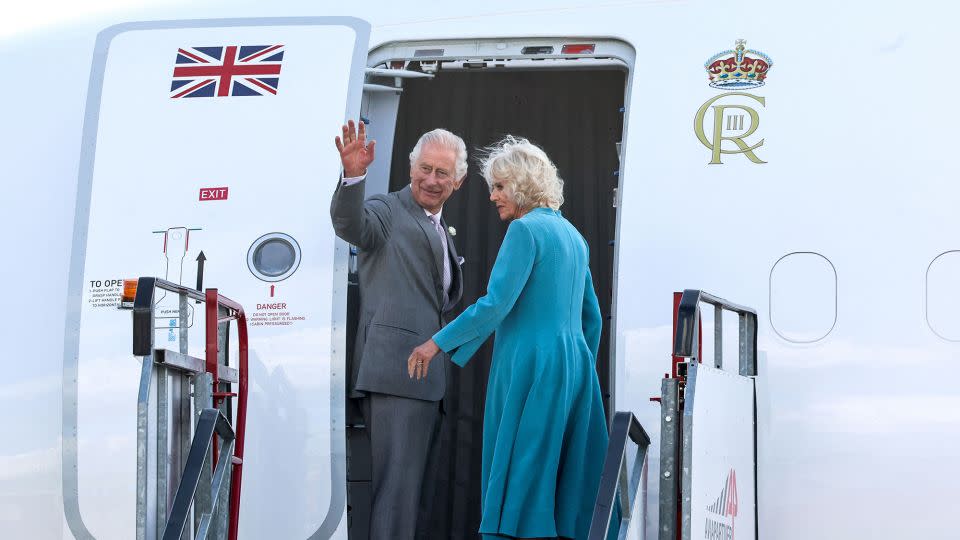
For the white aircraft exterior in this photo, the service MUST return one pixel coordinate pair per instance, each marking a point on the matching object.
(825, 198)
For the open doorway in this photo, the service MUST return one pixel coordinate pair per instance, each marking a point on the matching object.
(572, 108)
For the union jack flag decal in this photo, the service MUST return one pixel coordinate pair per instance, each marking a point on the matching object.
(234, 70)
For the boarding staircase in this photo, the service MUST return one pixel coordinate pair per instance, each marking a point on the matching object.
(191, 417)
(697, 403)
(191, 414)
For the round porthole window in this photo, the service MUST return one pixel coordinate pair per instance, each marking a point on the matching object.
(273, 257)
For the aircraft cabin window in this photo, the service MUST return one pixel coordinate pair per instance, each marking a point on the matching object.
(274, 257)
(943, 295)
(803, 297)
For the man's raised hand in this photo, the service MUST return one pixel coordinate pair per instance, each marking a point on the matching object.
(355, 153)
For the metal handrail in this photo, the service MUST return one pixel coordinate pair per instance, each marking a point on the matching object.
(211, 423)
(143, 336)
(143, 305)
(143, 345)
(214, 302)
(613, 481)
(688, 329)
(673, 430)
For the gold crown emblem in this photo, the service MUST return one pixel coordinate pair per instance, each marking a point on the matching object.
(738, 68)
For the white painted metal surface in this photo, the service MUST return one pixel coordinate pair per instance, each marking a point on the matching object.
(859, 148)
(170, 178)
(718, 456)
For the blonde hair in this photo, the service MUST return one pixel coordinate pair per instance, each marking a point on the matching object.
(444, 139)
(525, 168)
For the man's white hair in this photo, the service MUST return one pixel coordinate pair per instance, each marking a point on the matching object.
(444, 139)
(527, 172)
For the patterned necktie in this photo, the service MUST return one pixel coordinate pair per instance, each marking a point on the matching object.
(446, 258)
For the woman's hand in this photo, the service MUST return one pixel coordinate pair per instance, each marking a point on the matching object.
(420, 358)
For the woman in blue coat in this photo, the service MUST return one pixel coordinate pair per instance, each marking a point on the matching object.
(544, 429)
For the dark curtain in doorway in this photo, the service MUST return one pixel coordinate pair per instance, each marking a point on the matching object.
(576, 117)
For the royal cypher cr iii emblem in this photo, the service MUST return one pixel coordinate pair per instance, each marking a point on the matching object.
(731, 128)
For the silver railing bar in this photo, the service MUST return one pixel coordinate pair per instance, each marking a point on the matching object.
(193, 486)
(143, 427)
(193, 365)
(686, 339)
(217, 489)
(613, 480)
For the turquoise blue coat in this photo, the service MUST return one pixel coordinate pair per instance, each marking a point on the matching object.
(544, 429)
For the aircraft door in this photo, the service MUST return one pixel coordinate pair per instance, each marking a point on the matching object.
(208, 157)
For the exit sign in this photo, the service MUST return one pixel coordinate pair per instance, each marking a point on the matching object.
(213, 193)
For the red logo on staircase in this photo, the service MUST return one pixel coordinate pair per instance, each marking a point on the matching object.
(722, 514)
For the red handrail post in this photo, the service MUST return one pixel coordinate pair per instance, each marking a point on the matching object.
(212, 315)
(213, 303)
(241, 425)
(216, 300)
(673, 336)
(213, 347)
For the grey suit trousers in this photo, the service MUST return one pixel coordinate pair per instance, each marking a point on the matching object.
(402, 432)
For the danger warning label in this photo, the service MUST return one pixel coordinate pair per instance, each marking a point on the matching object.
(274, 314)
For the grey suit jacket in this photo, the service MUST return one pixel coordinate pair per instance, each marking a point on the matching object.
(401, 292)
